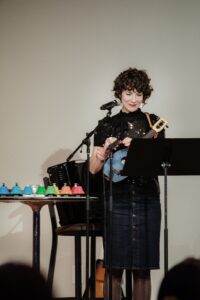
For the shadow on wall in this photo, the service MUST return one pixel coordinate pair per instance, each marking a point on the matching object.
(56, 158)
(19, 226)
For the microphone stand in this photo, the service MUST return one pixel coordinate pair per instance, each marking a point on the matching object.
(86, 142)
(110, 210)
(88, 135)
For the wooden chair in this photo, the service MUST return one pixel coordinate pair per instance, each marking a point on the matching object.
(76, 230)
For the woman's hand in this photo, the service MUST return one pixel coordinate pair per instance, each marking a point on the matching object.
(126, 142)
(101, 153)
(109, 141)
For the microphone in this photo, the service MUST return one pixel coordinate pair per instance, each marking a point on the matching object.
(110, 105)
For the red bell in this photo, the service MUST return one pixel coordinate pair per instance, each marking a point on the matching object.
(77, 190)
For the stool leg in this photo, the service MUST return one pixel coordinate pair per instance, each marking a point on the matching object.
(52, 261)
(78, 277)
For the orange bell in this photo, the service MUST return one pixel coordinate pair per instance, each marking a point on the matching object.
(66, 190)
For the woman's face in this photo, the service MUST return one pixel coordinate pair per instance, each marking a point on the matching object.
(131, 100)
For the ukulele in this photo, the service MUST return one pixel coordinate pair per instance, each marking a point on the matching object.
(119, 156)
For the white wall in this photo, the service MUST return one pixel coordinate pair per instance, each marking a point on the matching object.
(58, 60)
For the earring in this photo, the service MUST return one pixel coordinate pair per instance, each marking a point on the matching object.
(142, 104)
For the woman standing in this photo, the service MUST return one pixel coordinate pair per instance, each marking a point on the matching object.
(136, 212)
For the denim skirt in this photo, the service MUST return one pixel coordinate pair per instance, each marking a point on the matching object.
(134, 231)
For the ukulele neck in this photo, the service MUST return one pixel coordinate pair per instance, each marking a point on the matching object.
(150, 134)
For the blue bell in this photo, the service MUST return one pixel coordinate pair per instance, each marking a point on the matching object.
(28, 190)
(4, 190)
(16, 190)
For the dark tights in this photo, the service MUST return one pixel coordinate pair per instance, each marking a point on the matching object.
(141, 284)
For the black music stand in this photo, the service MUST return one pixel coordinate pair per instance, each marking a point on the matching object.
(173, 156)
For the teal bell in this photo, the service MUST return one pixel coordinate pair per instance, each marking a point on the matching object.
(28, 190)
(16, 190)
(4, 190)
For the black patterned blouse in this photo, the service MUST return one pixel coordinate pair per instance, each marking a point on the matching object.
(134, 125)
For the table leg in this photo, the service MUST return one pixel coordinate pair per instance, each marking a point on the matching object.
(36, 238)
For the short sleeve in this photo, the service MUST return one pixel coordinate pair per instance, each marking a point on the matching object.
(100, 135)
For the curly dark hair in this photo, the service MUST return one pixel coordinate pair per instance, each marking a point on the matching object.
(132, 79)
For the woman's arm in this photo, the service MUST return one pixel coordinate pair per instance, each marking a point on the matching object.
(99, 155)
(97, 159)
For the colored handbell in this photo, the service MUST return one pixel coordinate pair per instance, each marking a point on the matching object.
(27, 190)
(77, 190)
(34, 188)
(16, 190)
(4, 190)
(56, 189)
(50, 190)
(66, 190)
(40, 191)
